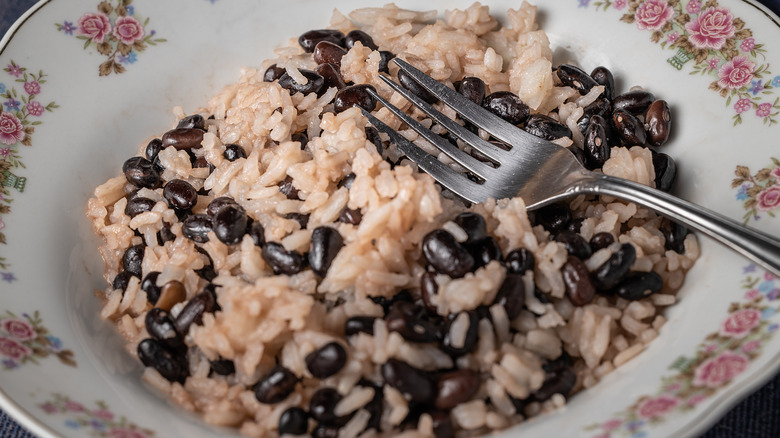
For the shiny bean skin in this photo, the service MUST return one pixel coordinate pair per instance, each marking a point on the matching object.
(601, 107)
(403, 318)
(579, 286)
(603, 76)
(288, 188)
(229, 224)
(326, 360)
(442, 424)
(196, 227)
(658, 122)
(149, 285)
(153, 148)
(546, 127)
(302, 219)
(473, 224)
(574, 243)
(576, 78)
(141, 173)
(615, 269)
(233, 152)
(410, 381)
(634, 102)
(160, 326)
(601, 240)
(293, 421)
(223, 367)
(217, 203)
(192, 312)
(629, 129)
(416, 89)
(456, 387)
(354, 95)
(273, 73)
(428, 289)
(472, 335)
(326, 242)
(275, 386)
(446, 255)
(257, 233)
(472, 88)
(553, 217)
(358, 35)
(674, 235)
(281, 260)
(314, 84)
(665, 171)
(309, 40)
(183, 138)
(359, 324)
(350, 216)
(121, 281)
(372, 135)
(326, 52)
(560, 380)
(139, 205)
(322, 406)
(511, 295)
(348, 180)
(484, 251)
(579, 154)
(170, 365)
(519, 261)
(193, 121)
(385, 57)
(639, 285)
(180, 194)
(508, 106)
(133, 258)
(597, 147)
(172, 293)
(331, 76)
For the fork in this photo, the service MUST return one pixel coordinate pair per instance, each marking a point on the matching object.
(542, 172)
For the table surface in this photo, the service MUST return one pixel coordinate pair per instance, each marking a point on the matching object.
(755, 417)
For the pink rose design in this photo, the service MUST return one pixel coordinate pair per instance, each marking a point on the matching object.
(126, 433)
(11, 129)
(764, 109)
(611, 424)
(711, 28)
(103, 414)
(747, 44)
(657, 407)
(776, 174)
(672, 37)
(19, 329)
(693, 6)
(35, 108)
(94, 25)
(713, 63)
(736, 73)
(619, 4)
(742, 105)
(695, 399)
(128, 30)
(751, 346)
(653, 14)
(74, 406)
(720, 370)
(32, 87)
(768, 199)
(739, 323)
(752, 294)
(14, 350)
(768, 276)
(49, 408)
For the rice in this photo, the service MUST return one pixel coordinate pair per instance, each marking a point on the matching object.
(313, 268)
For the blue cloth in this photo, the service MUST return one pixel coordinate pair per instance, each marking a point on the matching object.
(755, 417)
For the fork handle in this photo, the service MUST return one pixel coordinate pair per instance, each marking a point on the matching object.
(759, 247)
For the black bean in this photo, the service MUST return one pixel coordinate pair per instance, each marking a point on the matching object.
(323, 404)
(326, 52)
(273, 73)
(601, 240)
(546, 127)
(574, 243)
(560, 380)
(446, 255)
(192, 312)
(173, 367)
(281, 260)
(428, 289)
(359, 324)
(658, 122)
(603, 76)
(314, 84)
(473, 224)
(508, 106)
(484, 251)
(149, 285)
(229, 224)
(257, 233)
(629, 129)
(217, 203)
(519, 261)
(553, 217)
(138, 205)
(354, 95)
(347, 181)
(576, 278)
(310, 39)
(472, 88)
(275, 386)
(233, 152)
(133, 258)
(472, 335)
(165, 234)
(326, 242)
(183, 138)
(193, 121)
(325, 431)
(634, 102)
(674, 235)
(287, 188)
(410, 381)
(326, 360)
(375, 407)
(597, 148)
(600, 107)
(615, 269)
(121, 281)
(350, 216)
(665, 171)
(140, 172)
(302, 219)
(160, 326)
(416, 89)
(456, 387)
(196, 227)
(293, 421)
(331, 77)
(301, 138)
(639, 285)
(442, 424)
(180, 194)
(153, 148)
(202, 163)
(404, 318)
(575, 225)
(358, 35)
(511, 295)
(576, 78)
(223, 367)
(385, 57)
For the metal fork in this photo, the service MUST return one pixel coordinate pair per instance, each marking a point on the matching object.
(542, 172)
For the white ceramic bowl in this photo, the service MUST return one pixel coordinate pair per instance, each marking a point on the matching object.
(63, 371)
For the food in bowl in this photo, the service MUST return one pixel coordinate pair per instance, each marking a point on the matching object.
(279, 267)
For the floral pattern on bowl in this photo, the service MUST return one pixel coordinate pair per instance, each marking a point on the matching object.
(99, 422)
(25, 340)
(759, 192)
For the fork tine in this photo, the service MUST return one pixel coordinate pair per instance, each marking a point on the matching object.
(480, 169)
(496, 126)
(442, 173)
(468, 137)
